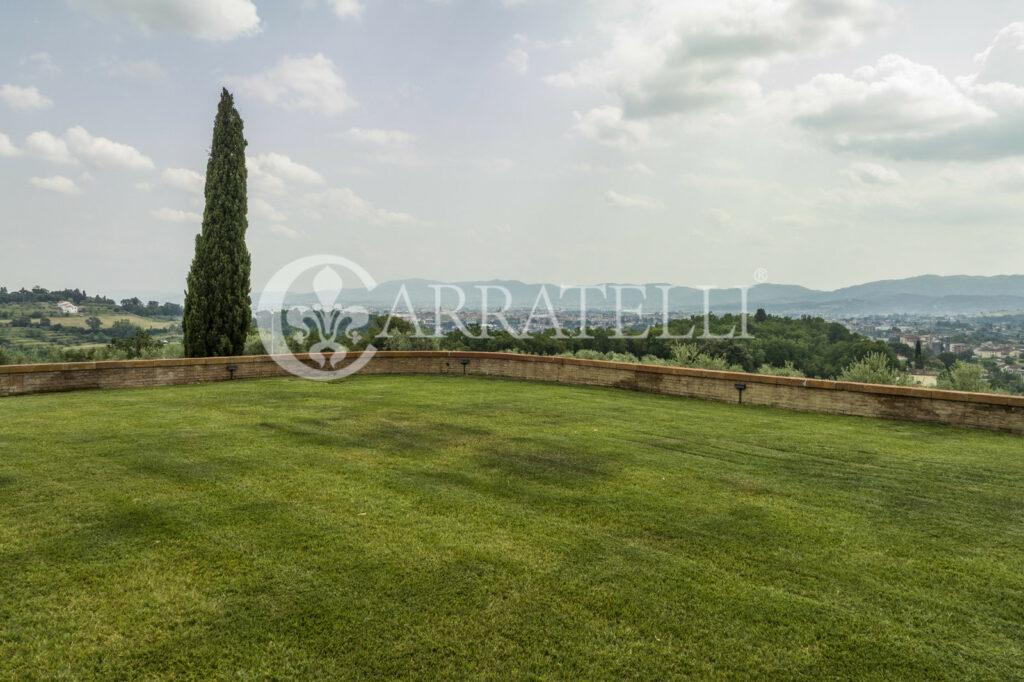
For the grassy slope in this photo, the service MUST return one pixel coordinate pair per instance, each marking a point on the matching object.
(107, 315)
(109, 319)
(20, 339)
(464, 526)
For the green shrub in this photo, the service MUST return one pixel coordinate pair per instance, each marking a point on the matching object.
(788, 370)
(964, 376)
(253, 345)
(873, 368)
(689, 355)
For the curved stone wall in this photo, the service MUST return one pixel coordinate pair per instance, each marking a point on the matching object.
(975, 410)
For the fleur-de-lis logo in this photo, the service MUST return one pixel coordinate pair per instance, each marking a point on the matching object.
(328, 324)
(326, 320)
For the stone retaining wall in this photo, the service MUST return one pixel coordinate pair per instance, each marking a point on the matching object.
(975, 410)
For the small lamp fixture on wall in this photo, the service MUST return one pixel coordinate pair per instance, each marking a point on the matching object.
(739, 390)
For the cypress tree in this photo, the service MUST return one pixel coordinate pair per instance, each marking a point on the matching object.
(217, 305)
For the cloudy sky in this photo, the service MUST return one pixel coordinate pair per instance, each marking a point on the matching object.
(830, 142)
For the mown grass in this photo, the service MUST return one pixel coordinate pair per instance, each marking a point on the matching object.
(452, 527)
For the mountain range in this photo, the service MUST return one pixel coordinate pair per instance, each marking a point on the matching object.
(923, 295)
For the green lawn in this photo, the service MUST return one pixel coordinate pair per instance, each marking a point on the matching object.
(466, 527)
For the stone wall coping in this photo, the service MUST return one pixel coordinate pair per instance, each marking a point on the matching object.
(739, 377)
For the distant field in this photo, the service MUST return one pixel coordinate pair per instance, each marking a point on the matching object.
(108, 319)
(28, 338)
(104, 312)
(460, 527)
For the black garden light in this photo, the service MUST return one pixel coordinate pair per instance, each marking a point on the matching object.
(740, 387)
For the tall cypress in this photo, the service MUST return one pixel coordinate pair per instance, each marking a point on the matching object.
(217, 305)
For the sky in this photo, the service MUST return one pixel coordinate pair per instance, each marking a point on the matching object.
(818, 142)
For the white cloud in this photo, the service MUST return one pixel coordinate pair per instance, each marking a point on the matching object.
(57, 183)
(894, 98)
(145, 69)
(400, 157)
(347, 203)
(7, 148)
(640, 168)
(269, 172)
(873, 174)
(704, 181)
(24, 99)
(378, 136)
(104, 152)
(584, 167)
(98, 150)
(143, 186)
(1003, 60)
(495, 165)
(173, 215)
(669, 56)
(396, 145)
(901, 109)
(41, 63)
(299, 83)
(518, 61)
(606, 125)
(184, 179)
(261, 208)
(540, 44)
(718, 217)
(260, 181)
(968, 195)
(284, 231)
(46, 146)
(347, 8)
(633, 201)
(212, 20)
(988, 178)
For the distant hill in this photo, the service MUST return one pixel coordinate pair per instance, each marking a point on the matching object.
(939, 286)
(924, 295)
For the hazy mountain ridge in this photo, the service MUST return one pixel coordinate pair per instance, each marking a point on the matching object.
(926, 294)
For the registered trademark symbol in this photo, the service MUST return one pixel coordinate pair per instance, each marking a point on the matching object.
(761, 275)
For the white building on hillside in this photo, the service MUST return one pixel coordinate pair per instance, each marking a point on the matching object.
(67, 307)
